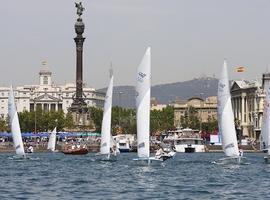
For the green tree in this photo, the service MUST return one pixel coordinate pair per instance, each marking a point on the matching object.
(96, 116)
(211, 125)
(162, 119)
(69, 123)
(190, 118)
(3, 125)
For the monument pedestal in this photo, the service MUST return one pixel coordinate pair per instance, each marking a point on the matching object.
(81, 116)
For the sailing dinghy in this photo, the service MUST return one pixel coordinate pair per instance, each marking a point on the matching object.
(226, 119)
(143, 88)
(15, 126)
(108, 149)
(266, 123)
(52, 141)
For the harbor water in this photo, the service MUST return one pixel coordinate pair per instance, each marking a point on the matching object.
(187, 176)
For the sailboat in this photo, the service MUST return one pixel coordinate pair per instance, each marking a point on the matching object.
(143, 88)
(15, 126)
(266, 123)
(226, 118)
(107, 145)
(52, 141)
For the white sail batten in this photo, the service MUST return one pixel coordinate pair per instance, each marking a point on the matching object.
(266, 119)
(52, 140)
(15, 125)
(143, 105)
(106, 121)
(225, 116)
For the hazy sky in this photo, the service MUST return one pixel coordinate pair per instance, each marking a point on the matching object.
(189, 38)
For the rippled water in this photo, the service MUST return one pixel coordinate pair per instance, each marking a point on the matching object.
(188, 176)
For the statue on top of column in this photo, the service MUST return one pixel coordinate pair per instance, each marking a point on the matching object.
(80, 9)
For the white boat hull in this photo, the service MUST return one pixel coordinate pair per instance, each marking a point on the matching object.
(230, 160)
(185, 148)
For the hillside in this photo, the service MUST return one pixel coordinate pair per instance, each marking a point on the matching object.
(165, 93)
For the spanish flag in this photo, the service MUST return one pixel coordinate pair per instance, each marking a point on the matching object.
(240, 69)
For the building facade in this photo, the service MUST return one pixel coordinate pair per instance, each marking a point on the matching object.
(205, 108)
(47, 96)
(248, 102)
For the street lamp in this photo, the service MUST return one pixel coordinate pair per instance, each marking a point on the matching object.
(35, 110)
(201, 109)
(120, 93)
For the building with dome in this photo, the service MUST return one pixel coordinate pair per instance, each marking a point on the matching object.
(47, 95)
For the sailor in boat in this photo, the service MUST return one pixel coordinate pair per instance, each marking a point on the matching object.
(241, 152)
(30, 149)
(161, 154)
(113, 150)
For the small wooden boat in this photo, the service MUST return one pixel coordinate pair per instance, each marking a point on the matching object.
(75, 150)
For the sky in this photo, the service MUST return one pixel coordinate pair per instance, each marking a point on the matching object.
(188, 38)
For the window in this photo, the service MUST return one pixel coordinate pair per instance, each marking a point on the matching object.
(45, 80)
(46, 106)
(32, 107)
(53, 106)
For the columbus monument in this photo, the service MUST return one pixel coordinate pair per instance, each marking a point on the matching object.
(79, 110)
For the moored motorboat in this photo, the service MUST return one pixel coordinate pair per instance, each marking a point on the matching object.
(185, 140)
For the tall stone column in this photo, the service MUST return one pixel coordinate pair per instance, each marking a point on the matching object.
(79, 107)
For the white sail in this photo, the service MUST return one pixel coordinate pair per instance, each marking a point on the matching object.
(143, 104)
(225, 116)
(52, 140)
(266, 119)
(106, 121)
(15, 125)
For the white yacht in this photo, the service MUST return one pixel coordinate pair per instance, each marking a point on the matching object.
(123, 142)
(185, 140)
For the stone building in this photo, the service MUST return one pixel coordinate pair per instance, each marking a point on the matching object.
(205, 108)
(247, 102)
(47, 96)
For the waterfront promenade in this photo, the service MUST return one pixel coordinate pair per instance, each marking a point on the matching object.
(94, 146)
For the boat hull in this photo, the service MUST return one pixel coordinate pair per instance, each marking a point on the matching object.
(124, 150)
(267, 159)
(80, 151)
(189, 148)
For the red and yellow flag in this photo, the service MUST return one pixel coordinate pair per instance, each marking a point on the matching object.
(240, 69)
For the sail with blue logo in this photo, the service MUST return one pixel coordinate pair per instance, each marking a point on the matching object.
(225, 116)
(143, 86)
